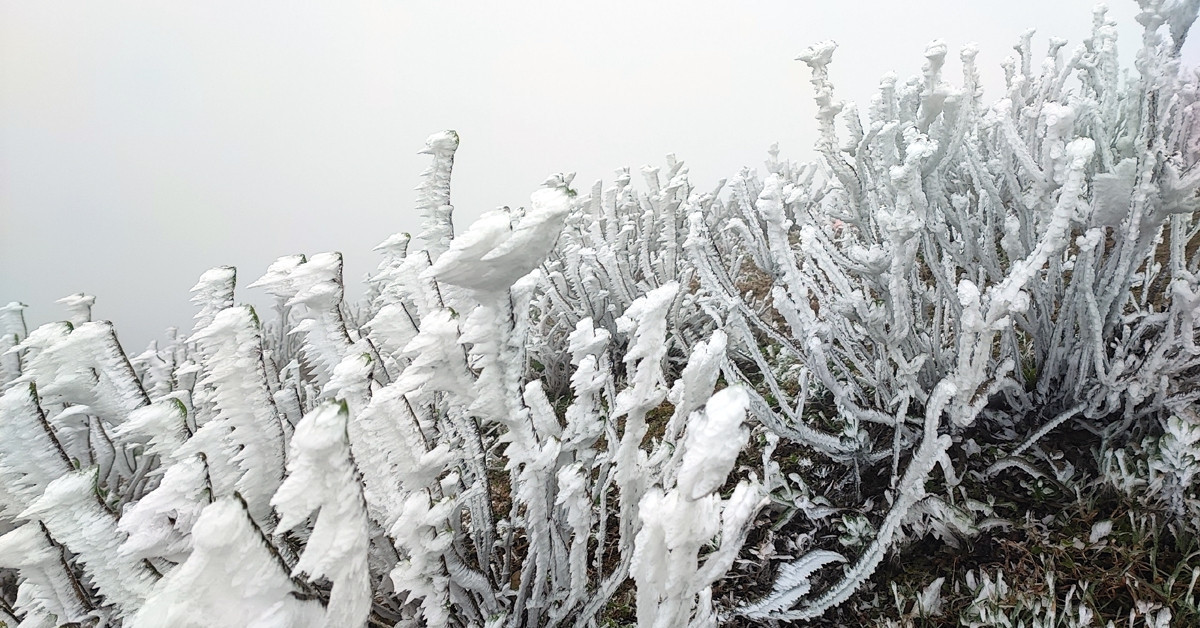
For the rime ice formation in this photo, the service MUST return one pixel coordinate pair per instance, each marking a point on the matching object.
(650, 400)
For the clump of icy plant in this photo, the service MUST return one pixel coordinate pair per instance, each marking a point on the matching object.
(629, 396)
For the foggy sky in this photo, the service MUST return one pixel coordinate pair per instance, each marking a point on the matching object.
(144, 142)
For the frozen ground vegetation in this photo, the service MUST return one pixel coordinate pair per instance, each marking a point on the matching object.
(947, 374)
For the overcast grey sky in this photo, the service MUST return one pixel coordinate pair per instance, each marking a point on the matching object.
(144, 142)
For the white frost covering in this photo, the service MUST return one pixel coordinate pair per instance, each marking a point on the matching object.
(79, 307)
(665, 555)
(392, 327)
(393, 455)
(46, 593)
(493, 253)
(712, 443)
(161, 427)
(437, 360)
(30, 458)
(422, 533)
(583, 419)
(940, 259)
(319, 471)
(12, 330)
(231, 580)
(159, 525)
(793, 582)
(672, 585)
(695, 384)
(246, 430)
(1112, 192)
(213, 292)
(646, 320)
(433, 195)
(84, 365)
(71, 510)
(315, 286)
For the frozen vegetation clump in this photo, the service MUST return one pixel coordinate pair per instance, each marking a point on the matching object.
(964, 331)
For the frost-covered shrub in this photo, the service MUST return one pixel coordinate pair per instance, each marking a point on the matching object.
(606, 397)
